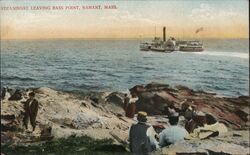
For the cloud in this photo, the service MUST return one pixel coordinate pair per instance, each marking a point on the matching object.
(229, 13)
(29, 19)
(127, 18)
(207, 14)
(201, 13)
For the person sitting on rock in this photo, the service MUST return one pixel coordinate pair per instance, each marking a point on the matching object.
(189, 115)
(171, 109)
(209, 127)
(184, 107)
(30, 111)
(173, 133)
(131, 108)
(198, 119)
(142, 136)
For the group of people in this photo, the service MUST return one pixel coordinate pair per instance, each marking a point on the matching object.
(143, 138)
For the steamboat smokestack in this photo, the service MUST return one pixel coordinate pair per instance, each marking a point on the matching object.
(164, 33)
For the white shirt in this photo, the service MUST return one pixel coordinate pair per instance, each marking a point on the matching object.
(171, 135)
(151, 134)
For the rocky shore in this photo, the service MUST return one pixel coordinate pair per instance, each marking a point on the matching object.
(96, 122)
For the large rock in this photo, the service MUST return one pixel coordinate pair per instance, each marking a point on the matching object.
(184, 90)
(115, 98)
(137, 90)
(152, 103)
(84, 120)
(231, 111)
(16, 96)
(242, 113)
(3, 93)
(11, 116)
(145, 103)
(97, 97)
(9, 125)
(156, 86)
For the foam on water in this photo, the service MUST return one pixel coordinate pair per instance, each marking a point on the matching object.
(224, 54)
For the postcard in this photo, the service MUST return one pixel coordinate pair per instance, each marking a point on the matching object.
(124, 77)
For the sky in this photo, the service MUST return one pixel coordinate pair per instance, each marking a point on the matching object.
(130, 19)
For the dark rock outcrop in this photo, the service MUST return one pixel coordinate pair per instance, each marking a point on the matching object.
(3, 93)
(16, 96)
(137, 90)
(115, 98)
(154, 97)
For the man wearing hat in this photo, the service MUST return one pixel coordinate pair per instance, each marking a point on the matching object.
(31, 109)
(173, 133)
(142, 136)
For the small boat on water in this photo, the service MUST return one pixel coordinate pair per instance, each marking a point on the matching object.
(191, 46)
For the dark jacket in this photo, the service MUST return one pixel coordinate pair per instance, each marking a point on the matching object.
(139, 141)
(31, 108)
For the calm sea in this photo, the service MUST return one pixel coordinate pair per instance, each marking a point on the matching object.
(116, 65)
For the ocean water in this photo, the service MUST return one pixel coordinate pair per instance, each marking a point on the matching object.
(117, 65)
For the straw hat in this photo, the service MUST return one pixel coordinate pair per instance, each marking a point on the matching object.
(142, 116)
(142, 113)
